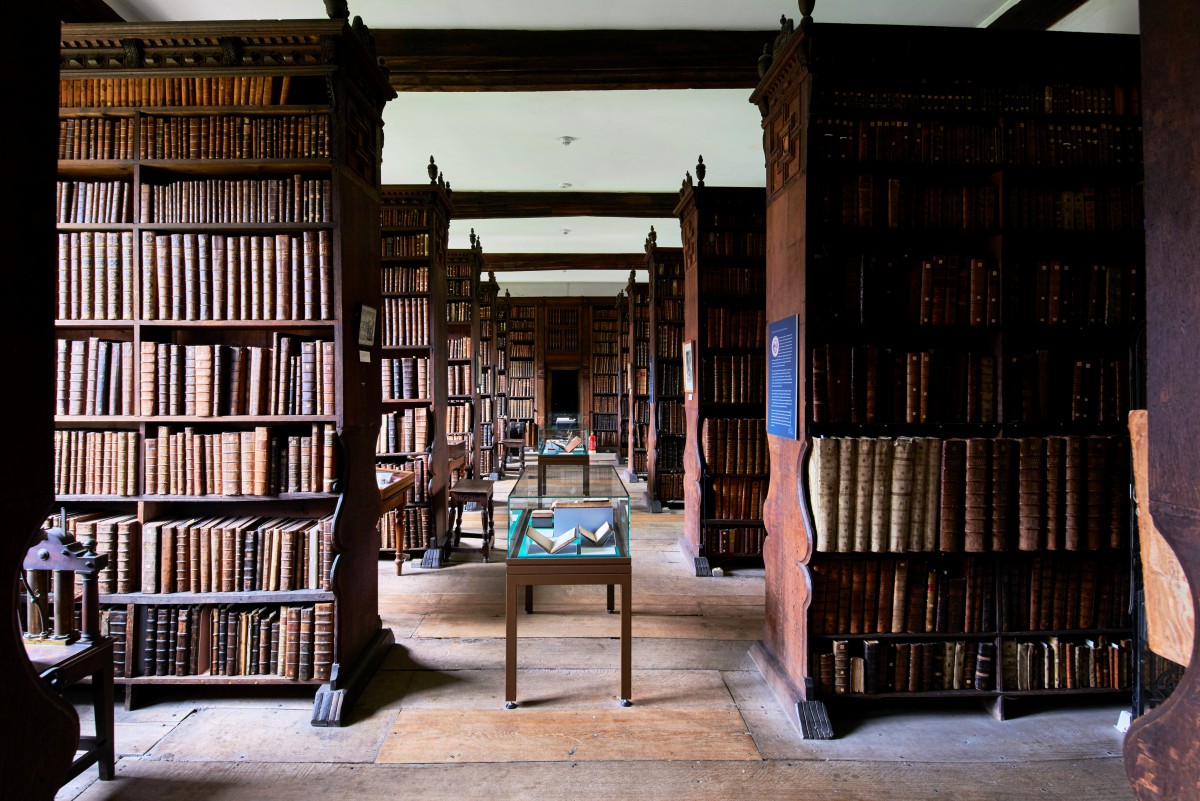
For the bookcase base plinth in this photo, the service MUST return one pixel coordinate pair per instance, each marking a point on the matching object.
(812, 718)
(334, 701)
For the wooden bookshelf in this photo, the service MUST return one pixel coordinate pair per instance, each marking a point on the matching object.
(489, 370)
(623, 454)
(605, 376)
(665, 437)
(463, 288)
(725, 466)
(212, 281)
(637, 377)
(965, 263)
(522, 371)
(413, 434)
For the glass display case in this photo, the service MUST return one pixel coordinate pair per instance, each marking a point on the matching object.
(569, 512)
(564, 441)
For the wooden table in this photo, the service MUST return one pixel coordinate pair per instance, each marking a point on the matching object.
(565, 459)
(530, 571)
(472, 490)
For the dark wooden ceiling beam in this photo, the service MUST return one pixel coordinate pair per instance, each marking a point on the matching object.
(87, 11)
(504, 60)
(526, 262)
(1035, 15)
(507, 205)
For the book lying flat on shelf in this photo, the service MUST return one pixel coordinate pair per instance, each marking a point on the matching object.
(552, 545)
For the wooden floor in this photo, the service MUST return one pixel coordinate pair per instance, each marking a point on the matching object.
(432, 725)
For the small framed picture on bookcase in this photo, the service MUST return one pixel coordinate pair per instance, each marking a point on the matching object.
(689, 375)
(366, 326)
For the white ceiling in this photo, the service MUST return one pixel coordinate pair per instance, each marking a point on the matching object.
(624, 140)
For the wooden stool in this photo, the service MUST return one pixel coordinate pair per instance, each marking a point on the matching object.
(473, 490)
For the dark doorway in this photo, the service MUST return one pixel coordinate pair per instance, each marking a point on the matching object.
(564, 398)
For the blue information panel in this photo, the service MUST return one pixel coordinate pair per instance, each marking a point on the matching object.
(782, 375)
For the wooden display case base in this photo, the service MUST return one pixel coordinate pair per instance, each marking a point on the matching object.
(811, 718)
(334, 700)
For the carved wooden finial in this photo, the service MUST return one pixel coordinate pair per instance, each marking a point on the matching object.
(472, 238)
(765, 60)
(700, 170)
(432, 169)
(652, 237)
(337, 9)
(806, 10)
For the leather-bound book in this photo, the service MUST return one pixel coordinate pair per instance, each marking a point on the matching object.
(864, 483)
(917, 497)
(977, 496)
(847, 455)
(305, 651)
(870, 604)
(953, 495)
(1074, 494)
(858, 584)
(900, 597)
(1096, 496)
(1031, 504)
(291, 637)
(881, 495)
(984, 665)
(872, 663)
(841, 667)
(901, 495)
(1003, 491)
(886, 596)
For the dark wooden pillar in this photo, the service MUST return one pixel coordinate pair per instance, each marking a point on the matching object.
(1162, 748)
(40, 730)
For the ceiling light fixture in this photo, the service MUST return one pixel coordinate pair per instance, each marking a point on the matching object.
(566, 140)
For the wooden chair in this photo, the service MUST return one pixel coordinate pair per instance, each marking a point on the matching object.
(512, 443)
(61, 654)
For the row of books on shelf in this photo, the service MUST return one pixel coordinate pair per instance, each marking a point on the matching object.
(520, 369)
(638, 459)
(903, 595)
(262, 461)
(670, 454)
(641, 411)
(670, 377)
(1019, 96)
(605, 404)
(288, 641)
(97, 138)
(405, 528)
(405, 377)
(96, 462)
(1059, 293)
(733, 328)
(669, 486)
(520, 408)
(641, 382)
(1088, 208)
(193, 276)
(562, 317)
(237, 200)
(668, 341)
(295, 377)
(846, 378)
(737, 498)
(1047, 386)
(873, 667)
(975, 495)
(604, 365)
(405, 323)
(458, 379)
(404, 278)
(518, 350)
(746, 244)
(604, 421)
(671, 417)
(404, 245)
(869, 200)
(734, 282)
(520, 387)
(458, 419)
(418, 465)
(241, 90)
(93, 201)
(459, 311)
(404, 431)
(733, 378)
(1007, 142)
(459, 287)
(562, 339)
(739, 541)
(287, 136)
(734, 446)
(604, 383)
(670, 308)
(396, 214)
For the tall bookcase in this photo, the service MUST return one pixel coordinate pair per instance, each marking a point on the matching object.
(638, 377)
(665, 438)
(623, 379)
(489, 366)
(725, 459)
(963, 259)
(218, 205)
(414, 429)
(522, 366)
(463, 274)
(605, 376)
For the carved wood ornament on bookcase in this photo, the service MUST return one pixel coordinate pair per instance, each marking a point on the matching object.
(1162, 748)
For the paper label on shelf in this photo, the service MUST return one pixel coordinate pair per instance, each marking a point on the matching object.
(364, 356)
